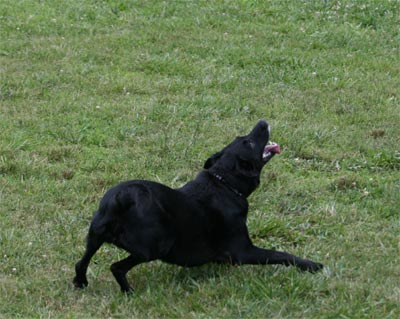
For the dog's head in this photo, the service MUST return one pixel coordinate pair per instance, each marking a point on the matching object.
(240, 163)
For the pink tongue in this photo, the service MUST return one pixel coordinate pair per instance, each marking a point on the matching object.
(273, 148)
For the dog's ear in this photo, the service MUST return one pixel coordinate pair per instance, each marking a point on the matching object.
(213, 159)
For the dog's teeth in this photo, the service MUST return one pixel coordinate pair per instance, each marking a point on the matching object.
(266, 154)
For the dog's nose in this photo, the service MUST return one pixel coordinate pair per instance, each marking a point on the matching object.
(263, 124)
(261, 129)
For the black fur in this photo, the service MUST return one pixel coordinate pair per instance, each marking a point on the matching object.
(203, 221)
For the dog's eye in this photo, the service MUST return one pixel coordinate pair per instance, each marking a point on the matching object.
(249, 143)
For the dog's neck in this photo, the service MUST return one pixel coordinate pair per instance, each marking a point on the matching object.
(223, 181)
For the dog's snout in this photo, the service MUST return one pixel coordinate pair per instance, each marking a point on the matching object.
(262, 122)
(261, 127)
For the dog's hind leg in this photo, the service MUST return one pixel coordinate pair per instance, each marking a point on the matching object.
(120, 268)
(93, 244)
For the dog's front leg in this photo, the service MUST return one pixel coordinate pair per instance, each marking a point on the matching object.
(258, 256)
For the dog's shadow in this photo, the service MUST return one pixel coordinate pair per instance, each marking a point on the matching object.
(200, 273)
(164, 275)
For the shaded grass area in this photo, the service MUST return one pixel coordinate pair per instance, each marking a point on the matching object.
(93, 93)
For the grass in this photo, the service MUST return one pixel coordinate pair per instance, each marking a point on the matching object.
(96, 92)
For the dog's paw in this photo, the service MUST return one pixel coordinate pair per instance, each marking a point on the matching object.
(129, 291)
(80, 283)
(310, 266)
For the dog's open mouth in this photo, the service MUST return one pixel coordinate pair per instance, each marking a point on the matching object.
(270, 150)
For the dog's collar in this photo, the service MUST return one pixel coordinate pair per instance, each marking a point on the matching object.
(223, 181)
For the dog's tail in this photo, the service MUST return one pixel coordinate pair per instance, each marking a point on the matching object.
(113, 206)
(120, 199)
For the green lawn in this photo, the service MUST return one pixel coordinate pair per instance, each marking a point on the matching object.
(97, 92)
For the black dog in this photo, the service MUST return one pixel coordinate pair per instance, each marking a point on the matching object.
(204, 221)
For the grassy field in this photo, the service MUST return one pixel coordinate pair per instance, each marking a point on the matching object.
(97, 92)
